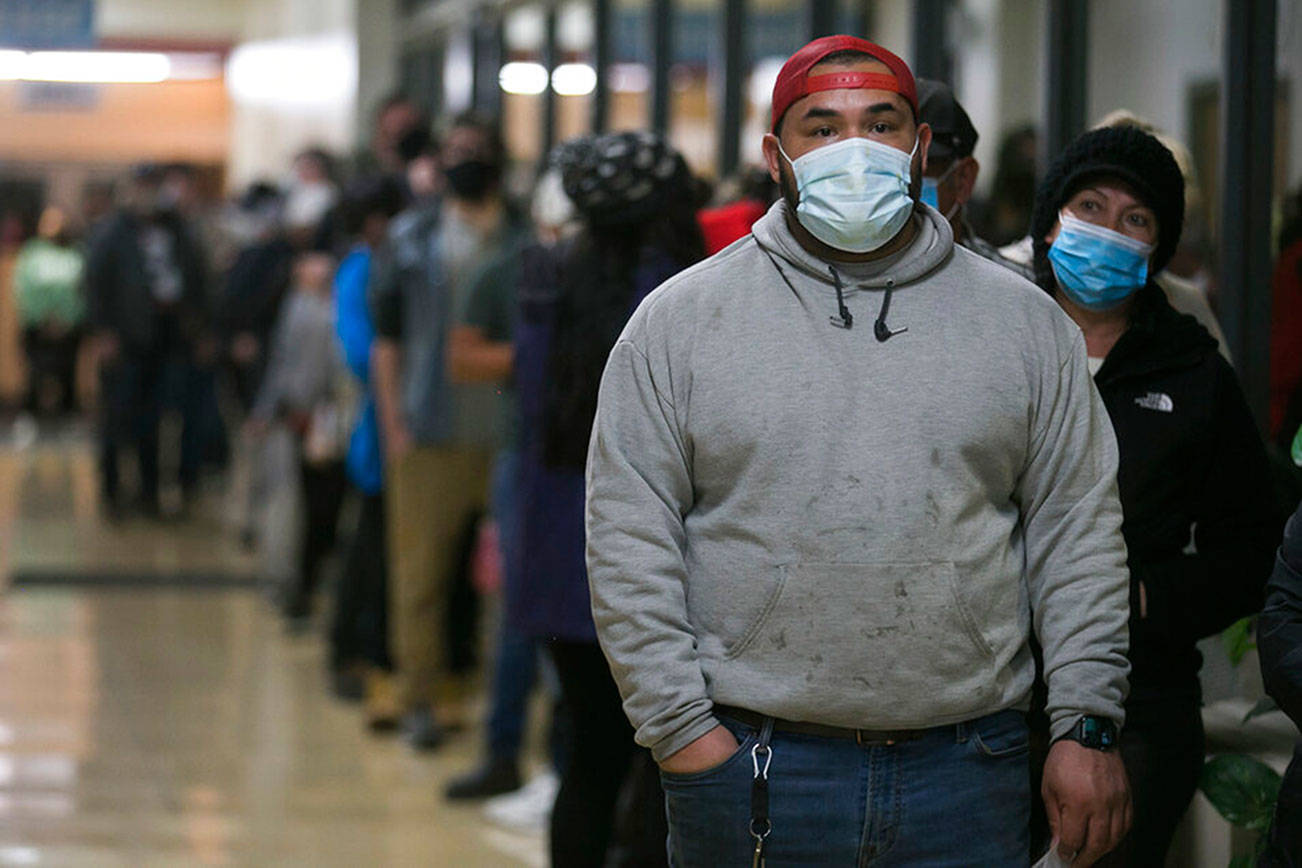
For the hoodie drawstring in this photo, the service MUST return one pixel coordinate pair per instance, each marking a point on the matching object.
(844, 319)
(847, 319)
(881, 330)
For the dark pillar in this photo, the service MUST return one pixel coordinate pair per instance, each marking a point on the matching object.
(1247, 166)
(1067, 60)
(549, 60)
(662, 60)
(862, 19)
(497, 33)
(437, 60)
(476, 63)
(422, 75)
(601, 63)
(732, 34)
(487, 42)
(821, 16)
(930, 47)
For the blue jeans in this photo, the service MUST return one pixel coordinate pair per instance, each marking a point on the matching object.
(516, 664)
(959, 795)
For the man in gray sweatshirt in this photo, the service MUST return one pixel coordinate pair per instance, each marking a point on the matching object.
(840, 474)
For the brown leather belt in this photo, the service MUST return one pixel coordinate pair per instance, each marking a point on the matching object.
(870, 737)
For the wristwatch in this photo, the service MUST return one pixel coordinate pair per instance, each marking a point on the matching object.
(1097, 733)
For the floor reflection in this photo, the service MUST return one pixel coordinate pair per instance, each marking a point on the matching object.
(170, 726)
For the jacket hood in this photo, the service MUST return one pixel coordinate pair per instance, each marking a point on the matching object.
(1159, 338)
(931, 247)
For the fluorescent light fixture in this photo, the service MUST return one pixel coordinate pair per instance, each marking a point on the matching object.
(12, 64)
(109, 67)
(630, 78)
(574, 79)
(523, 78)
(294, 73)
(195, 66)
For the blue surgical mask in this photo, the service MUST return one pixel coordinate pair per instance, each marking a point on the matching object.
(931, 190)
(854, 195)
(1097, 267)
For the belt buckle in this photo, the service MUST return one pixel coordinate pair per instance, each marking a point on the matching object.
(865, 738)
(862, 738)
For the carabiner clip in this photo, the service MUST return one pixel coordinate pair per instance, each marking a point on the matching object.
(768, 761)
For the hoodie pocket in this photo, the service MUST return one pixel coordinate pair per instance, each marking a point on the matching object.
(899, 632)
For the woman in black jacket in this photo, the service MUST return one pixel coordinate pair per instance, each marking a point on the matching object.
(1200, 518)
(1279, 641)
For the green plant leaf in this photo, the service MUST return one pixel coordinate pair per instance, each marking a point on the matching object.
(1265, 705)
(1242, 789)
(1241, 862)
(1237, 640)
(1259, 849)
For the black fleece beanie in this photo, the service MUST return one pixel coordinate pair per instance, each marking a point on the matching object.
(1124, 152)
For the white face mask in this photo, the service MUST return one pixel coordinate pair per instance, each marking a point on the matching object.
(854, 195)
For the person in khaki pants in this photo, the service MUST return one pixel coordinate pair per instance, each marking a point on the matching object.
(433, 492)
(438, 438)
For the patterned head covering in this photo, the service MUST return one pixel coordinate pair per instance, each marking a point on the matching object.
(621, 178)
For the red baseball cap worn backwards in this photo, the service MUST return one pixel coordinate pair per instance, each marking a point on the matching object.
(795, 82)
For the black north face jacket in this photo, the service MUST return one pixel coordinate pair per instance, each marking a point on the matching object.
(1201, 521)
(1279, 637)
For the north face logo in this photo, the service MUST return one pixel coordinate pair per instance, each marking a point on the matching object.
(1159, 401)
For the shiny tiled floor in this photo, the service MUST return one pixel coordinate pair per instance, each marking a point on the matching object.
(185, 727)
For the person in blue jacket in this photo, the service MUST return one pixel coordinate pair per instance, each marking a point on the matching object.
(359, 636)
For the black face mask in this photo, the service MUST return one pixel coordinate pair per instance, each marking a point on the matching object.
(471, 179)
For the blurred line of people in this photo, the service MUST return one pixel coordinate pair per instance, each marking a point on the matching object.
(400, 341)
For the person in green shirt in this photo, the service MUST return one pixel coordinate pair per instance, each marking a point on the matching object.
(51, 308)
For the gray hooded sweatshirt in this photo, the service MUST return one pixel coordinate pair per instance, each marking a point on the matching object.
(803, 520)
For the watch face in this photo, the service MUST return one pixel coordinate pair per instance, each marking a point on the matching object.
(1097, 732)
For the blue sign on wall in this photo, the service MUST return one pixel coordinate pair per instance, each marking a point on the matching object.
(47, 23)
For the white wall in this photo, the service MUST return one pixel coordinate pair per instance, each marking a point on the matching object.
(998, 70)
(1021, 50)
(378, 37)
(268, 131)
(892, 22)
(1146, 54)
(179, 19)
(272, 19)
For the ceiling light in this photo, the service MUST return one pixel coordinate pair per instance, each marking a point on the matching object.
(295, 73)
(523, 78)
(108, 67)
(12, 64)
(574, 79)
